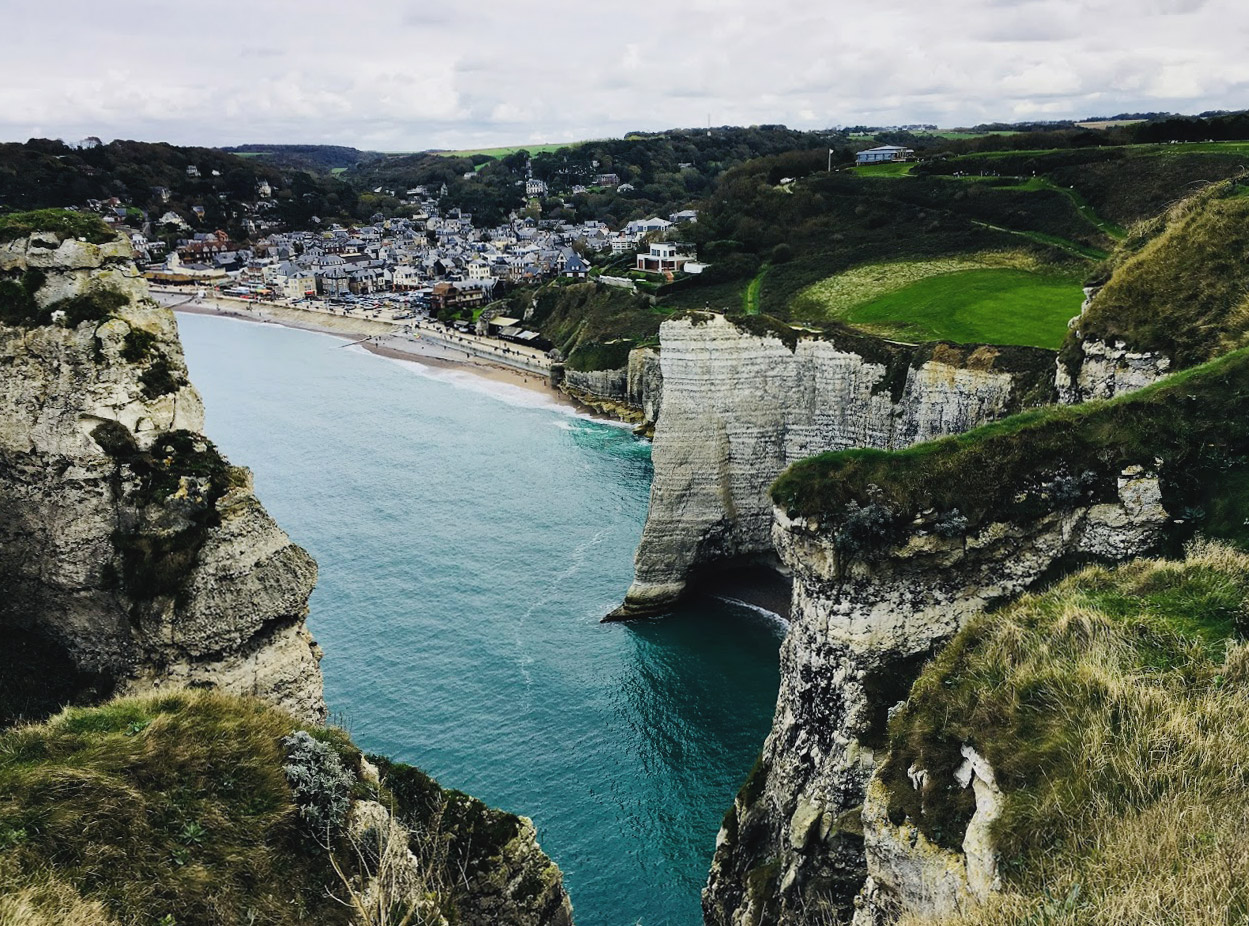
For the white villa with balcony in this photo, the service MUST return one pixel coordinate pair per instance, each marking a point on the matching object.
(664, 257)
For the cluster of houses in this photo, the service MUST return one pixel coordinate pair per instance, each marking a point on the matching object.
(443, 259)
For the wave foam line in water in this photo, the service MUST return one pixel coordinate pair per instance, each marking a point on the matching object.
(779, 620)
(508, 393)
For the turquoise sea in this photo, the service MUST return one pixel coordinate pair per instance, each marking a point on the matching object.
(470, 535)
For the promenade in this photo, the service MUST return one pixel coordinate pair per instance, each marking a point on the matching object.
(382, 325)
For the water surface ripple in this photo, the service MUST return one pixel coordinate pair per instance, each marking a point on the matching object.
(470, 535)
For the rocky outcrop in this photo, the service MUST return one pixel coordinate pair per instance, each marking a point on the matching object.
(860, 628)
(741, 405)
(632, 393)
(1089, 368)
(128, 546)
(908, 873)
(492, 868)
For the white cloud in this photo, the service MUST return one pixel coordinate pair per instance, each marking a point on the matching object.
(399, 75)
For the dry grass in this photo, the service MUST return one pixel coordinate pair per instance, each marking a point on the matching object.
(1115, 710)
(1179, 284)
(46, 901)
(171, 805)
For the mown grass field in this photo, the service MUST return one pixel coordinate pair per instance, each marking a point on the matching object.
(888, 169)
(505, 151)
(989, 306)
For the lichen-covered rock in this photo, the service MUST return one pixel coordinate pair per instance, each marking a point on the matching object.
(739, 406)
(859, 633)
(126, 542)
(908, 874)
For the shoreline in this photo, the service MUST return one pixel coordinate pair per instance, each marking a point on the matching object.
(379, 339)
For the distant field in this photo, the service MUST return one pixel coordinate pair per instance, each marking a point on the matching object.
(992, 306)
(1109, 123)
(504, 152)
(249, 154)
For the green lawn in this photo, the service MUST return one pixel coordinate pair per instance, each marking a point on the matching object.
(992, 306)
(888, 169)
(504, 152)
(750, 298)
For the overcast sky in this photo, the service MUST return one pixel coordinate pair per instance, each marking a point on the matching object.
(397, 75)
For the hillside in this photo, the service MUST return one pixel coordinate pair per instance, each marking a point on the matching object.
(1188, 427)
(1112, 710)
(1179, 286)
(151, 179)
(200, 808)
(667, 171)
(311, 158)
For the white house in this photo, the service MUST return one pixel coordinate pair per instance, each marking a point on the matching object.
(664, 257)
(883, 154)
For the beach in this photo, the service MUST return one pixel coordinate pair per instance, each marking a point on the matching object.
(378, 337)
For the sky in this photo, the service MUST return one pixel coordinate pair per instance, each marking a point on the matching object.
(397, 75)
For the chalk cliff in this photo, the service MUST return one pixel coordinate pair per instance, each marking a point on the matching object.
(744, 399)
(1089, 368)
(859, 631)
(891, 553)
(632, 393)
(131, 554)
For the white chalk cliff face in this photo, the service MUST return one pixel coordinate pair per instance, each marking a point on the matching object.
(739, 407)
(859, 633)
(127, 545)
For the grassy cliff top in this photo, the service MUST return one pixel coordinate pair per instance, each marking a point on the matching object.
(1040, 460)
(63, 222)
(1114, 710)
(1180, 284)
(159, 809)
(177, 809)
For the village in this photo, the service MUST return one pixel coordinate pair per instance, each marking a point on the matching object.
(428, 264)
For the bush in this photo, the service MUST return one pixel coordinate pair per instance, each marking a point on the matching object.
(321, 785)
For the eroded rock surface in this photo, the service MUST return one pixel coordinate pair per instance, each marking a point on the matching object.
(126, 542)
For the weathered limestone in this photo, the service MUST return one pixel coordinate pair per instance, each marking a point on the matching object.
(92, 501)
(908, 873)
(859, 633)
(632, 393)
(1097, 370)
(739, 407)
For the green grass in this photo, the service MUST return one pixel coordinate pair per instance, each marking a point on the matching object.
(750, 297)
(1200, 147)
(63, 222)
(506, 150)
(1114, 710)
(982, 306)
(889, 169)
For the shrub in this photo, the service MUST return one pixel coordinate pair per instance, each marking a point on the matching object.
(320, 783)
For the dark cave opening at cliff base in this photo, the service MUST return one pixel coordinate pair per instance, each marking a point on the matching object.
(755, 581)
(38, 678)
